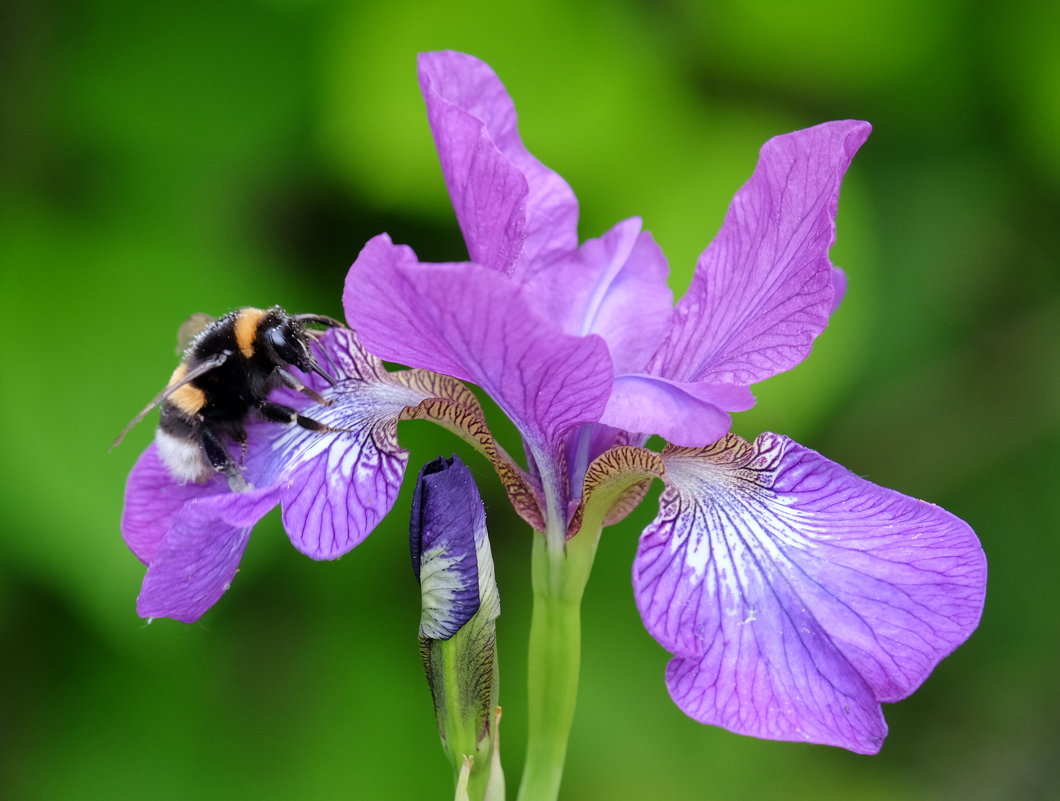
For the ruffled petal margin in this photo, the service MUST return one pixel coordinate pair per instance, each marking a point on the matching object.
(796, 596)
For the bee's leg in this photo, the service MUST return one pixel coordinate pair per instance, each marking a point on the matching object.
(222, 462)
(278, 413)
(241, 438)
(298, 386)
(319, 319)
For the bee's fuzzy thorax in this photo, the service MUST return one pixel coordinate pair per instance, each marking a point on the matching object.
(247, 324)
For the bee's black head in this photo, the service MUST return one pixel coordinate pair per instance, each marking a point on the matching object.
(287, 343)
(286, 340)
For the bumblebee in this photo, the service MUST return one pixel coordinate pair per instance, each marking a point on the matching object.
(229, 367)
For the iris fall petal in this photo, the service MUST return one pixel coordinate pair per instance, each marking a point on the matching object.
(199, 554)
(796, 596)
(152, 501)
(334, 486)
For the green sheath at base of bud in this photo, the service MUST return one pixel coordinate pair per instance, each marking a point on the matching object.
(463, 677)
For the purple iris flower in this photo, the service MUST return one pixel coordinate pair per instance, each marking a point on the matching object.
(794, 596)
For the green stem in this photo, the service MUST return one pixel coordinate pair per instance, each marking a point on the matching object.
(560, 571)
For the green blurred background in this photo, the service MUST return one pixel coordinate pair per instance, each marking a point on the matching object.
(202, 156)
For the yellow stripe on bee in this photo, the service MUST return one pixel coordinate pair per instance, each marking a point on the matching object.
(188, 398)
(246, 330)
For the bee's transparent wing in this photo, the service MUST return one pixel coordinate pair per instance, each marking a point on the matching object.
(204, 367)
(191, 328)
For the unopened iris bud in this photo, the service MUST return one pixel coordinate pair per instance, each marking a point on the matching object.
(453, 563)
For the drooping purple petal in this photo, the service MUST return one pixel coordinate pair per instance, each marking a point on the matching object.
(691, 414)
(796, 596)
(447, 521)
(198, 557)
(471, 323)
(512, 209)
(763, 289)
(152, 500)
(614, 286)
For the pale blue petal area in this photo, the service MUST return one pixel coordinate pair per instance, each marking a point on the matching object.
(764, 288)
(198, 557)
(152, 500)
(472, 323)
(797, 596)
(691, 414)
(512, 210)
(614, 286)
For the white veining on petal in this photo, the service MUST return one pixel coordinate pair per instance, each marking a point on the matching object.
(855, 591)
(338, 485)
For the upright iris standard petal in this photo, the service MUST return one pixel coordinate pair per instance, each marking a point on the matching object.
(763, 289)
(470, 323)
(614, 286)
(796, 596)
(513, 210)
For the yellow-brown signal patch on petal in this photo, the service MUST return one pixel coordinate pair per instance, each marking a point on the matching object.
(731, 451)
(246, 330)
(615, 483)
(454, 407)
